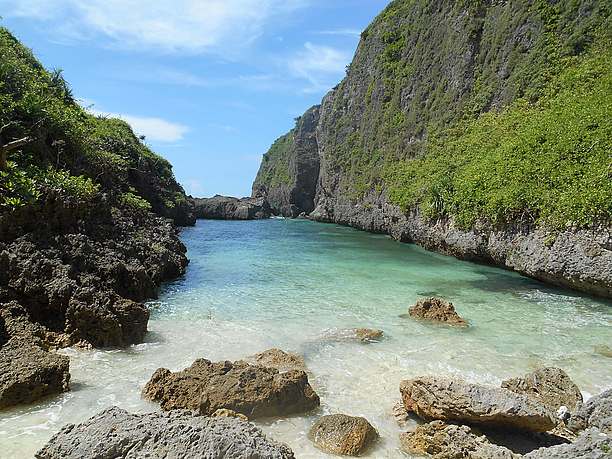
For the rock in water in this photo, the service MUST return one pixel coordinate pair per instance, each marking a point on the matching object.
(444, 441)
(342, 434)
(252, 390)
(436, 310)
(115, 433)
(281, 360)
(591, 444)
(28, 373)
(368, 335)
(596, 412)
(457, 401)
(550, 386)
(228, 208)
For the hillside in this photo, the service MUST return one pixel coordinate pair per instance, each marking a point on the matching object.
(87, 233)
(478, 129)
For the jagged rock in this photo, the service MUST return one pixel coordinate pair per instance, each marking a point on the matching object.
(281, 360)
(252, 390)
(29, 373)
(449, 441)
(434, 398)
(224, 413)
(591, 444)
(368, 334)
(436, 310)
(229, 208)
(550, 386)
(596, 412)
(342, 434)
(364, 335)
(401, 415)
(115, 433)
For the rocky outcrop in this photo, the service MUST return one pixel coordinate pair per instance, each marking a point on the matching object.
(596, 412)
(434, 398)
(115, 433)
(368, 335)
(550, 386)
(436, 310)
(449, 441)
(343, 435)
(229, 208)
(289, 172)
(592, 444)
(363, 335)
(281, 360)
(252, 390)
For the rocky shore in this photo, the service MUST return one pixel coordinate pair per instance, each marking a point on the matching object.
(229, 208)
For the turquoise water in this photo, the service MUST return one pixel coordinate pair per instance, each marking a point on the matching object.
(296, 285)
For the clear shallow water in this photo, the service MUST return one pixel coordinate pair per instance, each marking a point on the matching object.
(290, 284)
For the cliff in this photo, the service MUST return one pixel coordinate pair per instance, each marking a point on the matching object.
(87, 214)
(477, 129)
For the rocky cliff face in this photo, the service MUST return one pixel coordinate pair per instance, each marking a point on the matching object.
(426, 137)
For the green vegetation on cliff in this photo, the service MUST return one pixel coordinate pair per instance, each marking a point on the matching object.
(274, 170)
(50, 146)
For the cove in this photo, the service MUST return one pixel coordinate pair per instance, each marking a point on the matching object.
(293, 284)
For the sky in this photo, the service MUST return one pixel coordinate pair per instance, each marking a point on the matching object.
(210, 83)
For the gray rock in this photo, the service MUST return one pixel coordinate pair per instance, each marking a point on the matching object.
(596, 412)
(115, 433)
(343, 435)
(228, 208)
(449, 441)
(550, 386)
(445, 399)
(591, 444)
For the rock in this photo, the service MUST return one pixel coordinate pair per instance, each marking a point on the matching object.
(449, 441)
(29, 373)
(115, 433)
(368, 334)
(434, 398)
(436, 310)
(596, 412)
(402, 417)
(591, 444)
(342, 434)
(550, 386)
(252, 390)
(223, 413)
(281, 360)
(229, 208)
(603, 350)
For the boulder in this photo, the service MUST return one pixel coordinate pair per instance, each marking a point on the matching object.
(434, 398)
(364, 335)
(252, 390)
(281, 360)
(550, 386)
(28, 373)
(228, 208)
(115, 433)
(223, 413)
(342, 434)
(591, 444)
(596, 412)
(449, 441)
(436, 310)
(368, 334)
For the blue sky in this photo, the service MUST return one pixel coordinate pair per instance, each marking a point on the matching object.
(211, 83)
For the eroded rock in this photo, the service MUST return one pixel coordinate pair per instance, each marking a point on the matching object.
(436, 310)
(281, 360)
(550, 386)
(596, 412)
(449, 441)
(435, 398)
(342, 434)
(252, 390)
(115, 433)
(229, 208)
(591, 444)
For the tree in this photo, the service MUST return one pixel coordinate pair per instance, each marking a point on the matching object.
(7, 146)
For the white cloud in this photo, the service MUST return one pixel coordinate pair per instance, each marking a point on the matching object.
(319, 65)
(190, 26)
(155, 129)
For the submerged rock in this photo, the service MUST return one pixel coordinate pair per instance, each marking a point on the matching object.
(591, 444)
(364, 335)
(434, 398)
(550, 386)
(449, 441)
(115, 433)
(436, 310)
(342, 434)
(368, 334)
(228, 208)
(252, 390)
(281, 360)
(596, 412)
(224, 413)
